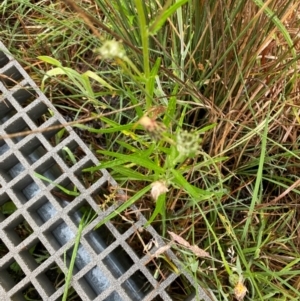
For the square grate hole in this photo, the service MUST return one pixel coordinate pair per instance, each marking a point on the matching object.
(58, 234)
(100, 238)
(7, 208)
(18, 230)
(72, 296)
(180, 289)
(71, 153)
(87, 178)
(33, 150)
(55, 133)
(25, 189)
(41, 211)
(94, 282)
(82, 210)
(29, 293)
(11, 77)
(3, 59)
(17, 126)
(81, 260)
(103, 196)
(40, 253)
(137, 286)
(6, 279)
(23, 229)
(3, 249)
(159, 268)
(3, 146)
(140, 247)
(65, 192)
(64, 185)
(125, 220)
(25, 95)
(118, 262)
(51, 279)
(11, 274)
(38, 113)
(48, 169)
(34, 254)
(7, 110)
(10, 167)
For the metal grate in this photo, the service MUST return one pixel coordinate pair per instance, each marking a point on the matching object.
(107, 266)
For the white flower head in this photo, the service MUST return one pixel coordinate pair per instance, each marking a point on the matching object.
(111, 49)
(158, 188)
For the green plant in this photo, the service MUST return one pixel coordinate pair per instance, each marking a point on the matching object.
(164, 163)
(85, 220)
(62, 188)
(186, 65)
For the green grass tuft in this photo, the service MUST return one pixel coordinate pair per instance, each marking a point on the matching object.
(221, 75)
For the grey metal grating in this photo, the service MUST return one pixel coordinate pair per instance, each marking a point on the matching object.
(107, 268)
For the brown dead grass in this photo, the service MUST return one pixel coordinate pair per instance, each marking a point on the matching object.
(238, 97)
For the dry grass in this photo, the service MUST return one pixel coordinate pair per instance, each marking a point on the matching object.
(239, 73)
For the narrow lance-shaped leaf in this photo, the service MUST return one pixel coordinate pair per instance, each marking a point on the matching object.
(166, 13)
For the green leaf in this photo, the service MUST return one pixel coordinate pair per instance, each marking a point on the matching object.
(15, 267)
(52, 72)
(207, 128)
(66, 191)
(109, 164)
(59, 135)
(164, 15)
(194, 192)
(70, 154)
(77, 79)
(49, 60)
(153, 73)
(160, 207)
(130, 174)
(68, 276)
(8, 208)
(119, 128)
(128, 146)
(99, 79)
(258, 181)
(86, 84)
(171, 109)
(194, 264)
(137, 159)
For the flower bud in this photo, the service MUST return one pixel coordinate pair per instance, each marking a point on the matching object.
(158, 188)
(111, 49)
(187, 143)
(240, 290)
